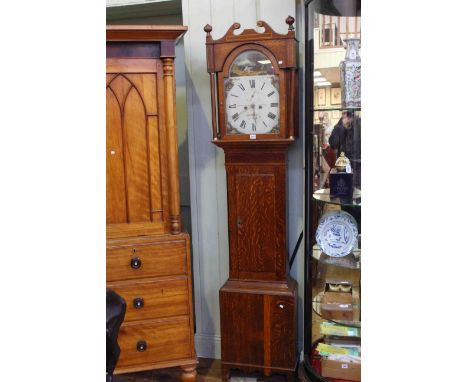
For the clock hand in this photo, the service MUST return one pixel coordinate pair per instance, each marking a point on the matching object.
(253, 95)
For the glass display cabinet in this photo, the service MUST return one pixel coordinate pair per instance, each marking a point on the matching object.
(332, 296)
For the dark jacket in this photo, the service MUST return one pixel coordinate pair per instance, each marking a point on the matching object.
(347, 140)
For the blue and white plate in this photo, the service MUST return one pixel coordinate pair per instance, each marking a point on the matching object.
(337, 233)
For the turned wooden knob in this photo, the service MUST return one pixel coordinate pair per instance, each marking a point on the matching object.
(208, 28)
(138, 302)
(141, 346)
(290, 21)
(135, 262)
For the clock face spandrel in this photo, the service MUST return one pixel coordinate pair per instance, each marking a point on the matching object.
(252, 99)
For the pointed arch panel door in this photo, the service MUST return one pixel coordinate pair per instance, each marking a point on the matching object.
(136, 190)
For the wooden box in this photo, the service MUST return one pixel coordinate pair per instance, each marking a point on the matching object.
(337, 306)
(341, 184)
(342, 370)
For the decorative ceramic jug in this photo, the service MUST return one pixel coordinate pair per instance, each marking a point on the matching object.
(351, 74)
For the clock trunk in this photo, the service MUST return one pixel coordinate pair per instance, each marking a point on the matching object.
(256, 184)
(258, 301)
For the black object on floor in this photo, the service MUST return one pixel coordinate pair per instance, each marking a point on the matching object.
(115, 313)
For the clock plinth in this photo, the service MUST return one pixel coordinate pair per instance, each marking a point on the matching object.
(253, 84)
(258, 326)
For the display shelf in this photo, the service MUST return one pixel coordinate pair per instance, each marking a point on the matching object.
(328, 276)
(337, 108)
(348, 323)
(323, 195)
(315, 365)
(318, 303)
(351, 261)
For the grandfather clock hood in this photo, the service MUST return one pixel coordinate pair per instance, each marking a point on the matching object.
(284, 51)
(278, 48)
(254, 119)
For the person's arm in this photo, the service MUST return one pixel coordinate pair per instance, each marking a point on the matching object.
(334, 139)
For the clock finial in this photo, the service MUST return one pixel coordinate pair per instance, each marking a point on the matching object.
(290, 21)
(208, 28)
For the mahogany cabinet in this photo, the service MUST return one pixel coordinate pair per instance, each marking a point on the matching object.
(148, 255)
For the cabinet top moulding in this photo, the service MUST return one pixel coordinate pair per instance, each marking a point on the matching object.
(145, 32)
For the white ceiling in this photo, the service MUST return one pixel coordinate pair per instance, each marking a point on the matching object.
(120, 3)
(331, 74)
(127, 9)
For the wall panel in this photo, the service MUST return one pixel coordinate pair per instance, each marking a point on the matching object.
(245, 12)
(203, 183)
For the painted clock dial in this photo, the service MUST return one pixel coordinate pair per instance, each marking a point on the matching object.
(252, 101)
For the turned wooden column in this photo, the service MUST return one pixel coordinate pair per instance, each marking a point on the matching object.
(173, 162)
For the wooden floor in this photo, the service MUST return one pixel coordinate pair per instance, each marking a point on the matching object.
(208, 370)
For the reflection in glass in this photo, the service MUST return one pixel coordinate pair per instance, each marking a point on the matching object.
(333, 291)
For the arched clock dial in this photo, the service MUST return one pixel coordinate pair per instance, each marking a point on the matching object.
(252, 105)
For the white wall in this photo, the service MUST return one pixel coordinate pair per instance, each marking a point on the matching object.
(207, 173)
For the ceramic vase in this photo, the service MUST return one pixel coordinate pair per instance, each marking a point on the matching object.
(351, 74)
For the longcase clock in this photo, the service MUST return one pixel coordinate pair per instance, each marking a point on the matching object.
(253, 94)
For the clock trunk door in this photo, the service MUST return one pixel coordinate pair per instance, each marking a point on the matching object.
(256, 222)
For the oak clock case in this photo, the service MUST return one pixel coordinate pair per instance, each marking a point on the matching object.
(148, 254)
(253, 93)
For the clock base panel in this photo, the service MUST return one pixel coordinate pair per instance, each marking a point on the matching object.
(258, 326)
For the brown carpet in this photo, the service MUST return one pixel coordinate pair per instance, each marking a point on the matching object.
(209, 370)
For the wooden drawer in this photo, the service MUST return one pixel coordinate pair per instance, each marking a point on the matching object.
(161, 340)
(126, 262)
(153, 299)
